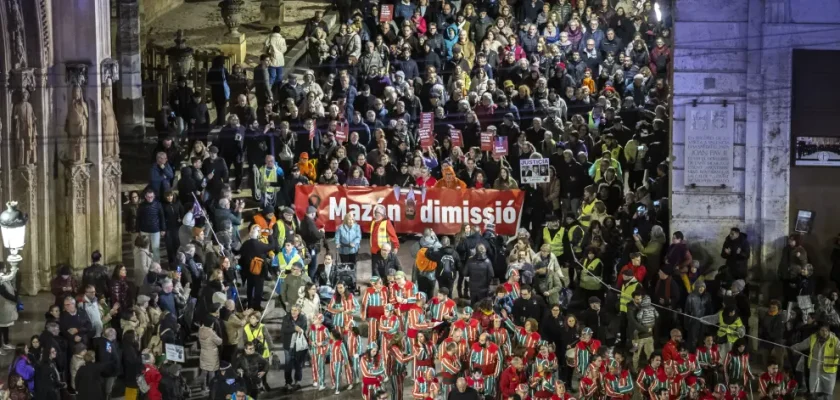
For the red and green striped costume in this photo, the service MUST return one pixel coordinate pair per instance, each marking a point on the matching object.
(373, 307)
(355, 348)
(512, 289)
(450, 368)
(528, 340)
(340, 319)
(645, 378)
(470, 328)
(407, 292)
(766, 380)
(708, 357)
(415, 321)
(373, 371)
(488, 359)
(425, 388)
(588, 389)
(674, 385)
(460, 352)
(397, 367)
(618, 386)
(542, 385)
(441, 311)
(501, 337)
(424, 358)
(319, 347)
(689, 366)
(340, 363)
(737, 368)
(388, 327)
(584, 352)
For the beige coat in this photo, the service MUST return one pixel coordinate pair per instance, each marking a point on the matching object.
(142, 322)
(143, 260)
(234, 327)
(209, 341)
(275, 47)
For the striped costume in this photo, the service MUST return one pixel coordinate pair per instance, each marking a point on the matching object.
(583, 354)
(415, 321)
(424, 358)
(341, 318)
(674, 385)
(709, 360)
(645, 379)
(588, 389)
(462, 351)
(388, 327)
(597, 373)
(528, 340)
(737, 368)
(618, 386)
(765, 380)
(340, 363)
(549, 360)
(471, 329)
(355, 348)
(319, 347)
(407, 292)
(373, 371)
(450, 369)
(563, 396)
(512, 289)
(397, 369)
(425, 388)
(440, 311)
(488, 359)
(373, 307)
(689, 366)
(541, 385)
(501, 337)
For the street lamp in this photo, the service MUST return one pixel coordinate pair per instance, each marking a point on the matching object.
(13, 227)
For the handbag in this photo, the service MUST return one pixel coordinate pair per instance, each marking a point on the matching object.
(299, 342)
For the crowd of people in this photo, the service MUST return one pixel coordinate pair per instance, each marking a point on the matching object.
(589, 300)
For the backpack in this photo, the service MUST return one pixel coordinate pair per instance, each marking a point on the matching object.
(447, 266)
(156, 344)
(142, 385)
(256, 266)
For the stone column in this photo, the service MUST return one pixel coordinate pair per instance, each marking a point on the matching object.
(77, 170)
(130, 106)
(110, 167)
(272, 12)
(24, 135)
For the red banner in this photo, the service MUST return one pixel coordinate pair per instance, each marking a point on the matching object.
(343, 132)
(486, 141)
(455, 136)
(412, 210)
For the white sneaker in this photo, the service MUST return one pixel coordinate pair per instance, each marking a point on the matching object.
(350, 387)
(322, 387)
(337, 392)
(315, 384)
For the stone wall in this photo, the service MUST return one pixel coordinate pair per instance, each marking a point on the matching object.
(740, 52)
(152, 9)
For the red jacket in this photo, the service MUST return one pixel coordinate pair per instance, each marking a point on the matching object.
(639, 272)
(669, 352)
(511, 378)
(152, 376)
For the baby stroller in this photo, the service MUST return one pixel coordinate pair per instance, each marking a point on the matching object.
(347, 275)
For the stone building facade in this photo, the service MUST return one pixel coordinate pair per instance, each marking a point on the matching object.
(59, 153)
(741, 53)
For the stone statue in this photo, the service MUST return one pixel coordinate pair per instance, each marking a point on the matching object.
(76, 125)
(24, 131)
(110, 134)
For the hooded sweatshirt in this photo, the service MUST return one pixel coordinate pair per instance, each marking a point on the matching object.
(450, 180)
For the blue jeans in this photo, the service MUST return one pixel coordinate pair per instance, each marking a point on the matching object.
(294, 363)
(313, 264)
(275, 74)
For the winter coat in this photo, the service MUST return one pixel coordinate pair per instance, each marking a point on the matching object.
(49, 382)
(153, 378)
(480, 271)
(275, 47)
(150, 217)
(8, 304)
(132, 365)
(23, 367)
(739, 253)
(90, 380)
(287, 329)
(210, 342)
(234, 327)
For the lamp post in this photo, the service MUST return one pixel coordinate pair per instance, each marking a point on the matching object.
(13, 227)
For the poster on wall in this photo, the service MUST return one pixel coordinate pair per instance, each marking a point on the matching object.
(709, 145)
(804, 221)
(817, 151)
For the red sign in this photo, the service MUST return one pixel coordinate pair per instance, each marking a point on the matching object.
(410, 210)
(343, 132)
(386, 13)
(486, 141)
(312, 131)
(500, 146)
(426, 138)
(457, 139)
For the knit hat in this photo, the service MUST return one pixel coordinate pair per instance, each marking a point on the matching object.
(594, 300)
(586, 331)
(311, 210)
(374, 279)
(508, 83)
(467, 310)
(512, 272)
(288, 211)
(214, 150)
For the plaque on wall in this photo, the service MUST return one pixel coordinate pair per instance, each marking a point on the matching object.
(709, 145)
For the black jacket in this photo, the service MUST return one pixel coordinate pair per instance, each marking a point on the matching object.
(524, 309)
(599, 322)
(114, 357)
(310, 234)
(80, 321)
(90, 380)
(150, 217)
(132, 365)
(480, 271)
(220, 388)
(49, 382)
(288, 328)
(250, 249)
(322, 278)
(739, 253)
(98, 276)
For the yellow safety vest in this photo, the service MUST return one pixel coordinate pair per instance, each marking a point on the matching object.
(281, 231)
(381, 233)
(587, 281)
(614, 152)
(586, 210)
(729, 330)
(257, 334)
(830, 358)
(627, 295)
(287, 266)
(268, 179)
(556, 242)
